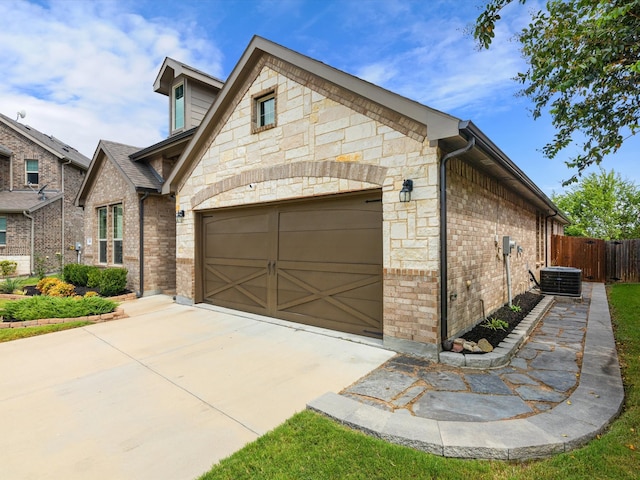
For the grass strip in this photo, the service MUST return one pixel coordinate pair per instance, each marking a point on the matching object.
(8, 334)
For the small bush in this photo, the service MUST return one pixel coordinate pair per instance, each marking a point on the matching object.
(42, 306)
(93, 278)
(61, 289)
(78, 274)
(113, 281)
(90, 293)
(8, 267)
(47, 283)
(10, 285)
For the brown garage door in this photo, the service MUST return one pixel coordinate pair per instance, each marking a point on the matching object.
(317, 262)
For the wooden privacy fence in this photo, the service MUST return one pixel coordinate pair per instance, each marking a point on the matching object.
(599, 260)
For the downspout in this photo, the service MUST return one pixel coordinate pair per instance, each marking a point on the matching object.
(444, 324)
(62, 241)
(24, 212)
(141, 228)
(546, 219)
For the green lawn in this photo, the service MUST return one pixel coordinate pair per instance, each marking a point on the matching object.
(8, 334)
(309, 446)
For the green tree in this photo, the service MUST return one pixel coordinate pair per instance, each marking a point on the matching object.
(584, 67)
(602, 206)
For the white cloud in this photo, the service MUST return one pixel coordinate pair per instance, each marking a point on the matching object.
(85, 70)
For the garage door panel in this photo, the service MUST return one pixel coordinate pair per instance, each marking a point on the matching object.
(347, 246)
(237, 286)
(317, 262)
(329, 219)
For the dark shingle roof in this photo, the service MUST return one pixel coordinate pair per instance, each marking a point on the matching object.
(140, 174)
(58, 147)
(25, 200)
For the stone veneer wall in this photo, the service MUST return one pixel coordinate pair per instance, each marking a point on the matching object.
(326, 141)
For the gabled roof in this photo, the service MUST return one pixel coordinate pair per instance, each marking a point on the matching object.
(25, 201)
(171, 69)
(138, 175)
(48, 142)
(439, 124)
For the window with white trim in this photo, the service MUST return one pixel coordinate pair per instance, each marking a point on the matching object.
(102, 234)
(264, 111)
(116, 215)
(178, 107)
(31, 172)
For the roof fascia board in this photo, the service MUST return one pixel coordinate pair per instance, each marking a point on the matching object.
(494, 153)
(90, 177)
(162, 145)
(187, 71)
(34, 140)
(439, 124)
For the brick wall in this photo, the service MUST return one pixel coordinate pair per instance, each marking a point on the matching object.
(109, 189)
(48, 246)
(479, 210)
(159, 245)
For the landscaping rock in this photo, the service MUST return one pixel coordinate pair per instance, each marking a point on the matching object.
(485, 346)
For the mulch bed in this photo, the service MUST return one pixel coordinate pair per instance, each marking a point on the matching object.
(527, 301)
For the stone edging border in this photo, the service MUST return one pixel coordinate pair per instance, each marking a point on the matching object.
(589, 410)
(507, 348)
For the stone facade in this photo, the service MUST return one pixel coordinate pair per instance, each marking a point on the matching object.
(328, 140)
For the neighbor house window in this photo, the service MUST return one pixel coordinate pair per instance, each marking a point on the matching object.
(264, 111)
(102, 234)
(117, 233)
(3, 230)
(178, 107)
(31, 167)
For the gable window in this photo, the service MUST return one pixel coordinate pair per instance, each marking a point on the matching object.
(31, 170)
(178, 107)
(102, 235)
(264, 111)
(3, 230)
(117, 233)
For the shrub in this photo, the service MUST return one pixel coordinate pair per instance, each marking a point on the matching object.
(61, 289)
(112, 281)
(42, 306)
(10, 285)
(93, 278)
(8, 267)
(90, 293)
(78, 274)
(47, 283)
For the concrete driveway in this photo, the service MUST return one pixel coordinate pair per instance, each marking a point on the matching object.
(162, 394)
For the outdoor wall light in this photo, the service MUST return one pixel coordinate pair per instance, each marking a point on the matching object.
(405, 193)
(179, 216)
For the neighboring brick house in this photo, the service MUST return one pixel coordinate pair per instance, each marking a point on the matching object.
(128, 223)
(291, 190)
(39, 179)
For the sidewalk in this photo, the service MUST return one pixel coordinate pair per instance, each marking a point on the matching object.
(561, 389)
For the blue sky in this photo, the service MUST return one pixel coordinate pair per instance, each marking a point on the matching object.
(84, 70)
